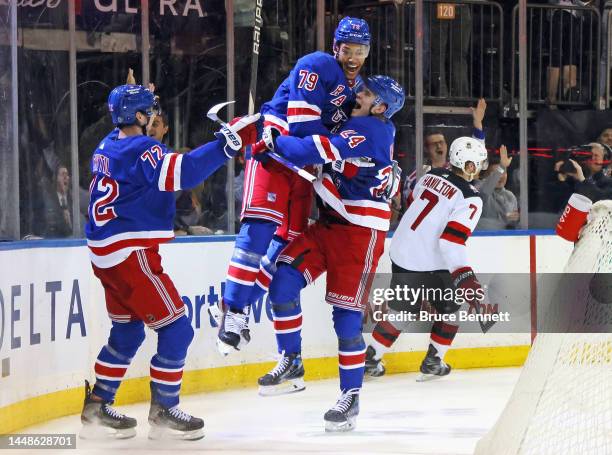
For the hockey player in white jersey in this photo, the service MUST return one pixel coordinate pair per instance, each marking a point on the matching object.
(428, 249)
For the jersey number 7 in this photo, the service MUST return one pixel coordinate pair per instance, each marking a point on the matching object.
(432, 200)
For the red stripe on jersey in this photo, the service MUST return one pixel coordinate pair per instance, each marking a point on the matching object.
(368, 211)
(116, 246)
(440, 340)
(282, 130)
(329, 186)
(170, 376)
(288, 324)
(241, 274)
(327, 147)
(351, 359)
(291, 111)
(169, 184)
(113, 372)
(452, 238)
(459, 227)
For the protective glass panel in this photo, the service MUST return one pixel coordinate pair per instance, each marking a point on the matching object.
(189, 69)
(44, 121)
(8, 225)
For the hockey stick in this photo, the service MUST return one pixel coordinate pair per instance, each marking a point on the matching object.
(255, 55)
(213, 114)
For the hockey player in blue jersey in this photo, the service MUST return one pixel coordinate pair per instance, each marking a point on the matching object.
(359, 178)
(131, 212)
(315, 98)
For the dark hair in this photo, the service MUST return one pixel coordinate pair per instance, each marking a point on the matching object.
(432, 131)
(164, 118)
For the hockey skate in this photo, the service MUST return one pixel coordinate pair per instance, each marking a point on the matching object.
(343, 415)
(373, 368)
(234, 331)
(101, 421)
(433, 367)
(286, 377)
(173, 423)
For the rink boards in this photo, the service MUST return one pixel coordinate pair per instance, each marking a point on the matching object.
(53, 323)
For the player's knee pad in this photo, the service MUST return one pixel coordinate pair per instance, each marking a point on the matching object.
(255, 236)
(347, 323)
(126, 338)
(286, 284)
(174, 339)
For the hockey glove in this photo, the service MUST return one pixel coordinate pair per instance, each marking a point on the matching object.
(267, 143)
(465, 279)
(238, 133)
(394, 181)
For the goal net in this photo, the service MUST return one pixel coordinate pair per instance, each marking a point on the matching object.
(562, 402)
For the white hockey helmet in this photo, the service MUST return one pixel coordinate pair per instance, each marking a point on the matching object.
(464, 149)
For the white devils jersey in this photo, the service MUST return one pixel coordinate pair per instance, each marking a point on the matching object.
(443, 210)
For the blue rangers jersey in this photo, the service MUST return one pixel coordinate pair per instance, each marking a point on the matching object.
(131, 194)
(357, 168)
(313, 99)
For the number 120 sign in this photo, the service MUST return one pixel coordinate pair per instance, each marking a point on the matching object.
(445, 10)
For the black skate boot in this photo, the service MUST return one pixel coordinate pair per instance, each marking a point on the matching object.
(433, 367)
(101, 421)
(173, 423)
(234, 331)
(373, 368)
(343, 415)
(286, 377)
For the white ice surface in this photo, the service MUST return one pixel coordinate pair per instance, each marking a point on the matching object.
(398, 415)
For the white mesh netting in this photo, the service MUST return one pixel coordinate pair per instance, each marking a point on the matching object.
(562, 402)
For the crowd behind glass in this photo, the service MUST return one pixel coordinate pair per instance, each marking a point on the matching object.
(188, 64)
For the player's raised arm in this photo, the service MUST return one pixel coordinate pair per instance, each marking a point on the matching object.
(169, 171)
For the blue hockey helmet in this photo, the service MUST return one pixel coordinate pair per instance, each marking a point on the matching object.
(352, 30)
(125, 100)
(387, 91)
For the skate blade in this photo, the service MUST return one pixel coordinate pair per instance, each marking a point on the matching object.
(102, 432)
(223, 348)
(428, 377)
(290, 386)
(167, 434)
(340, 427)
(370, 375)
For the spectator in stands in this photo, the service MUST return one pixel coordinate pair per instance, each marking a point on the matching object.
(450, 42)
(499, 205)
(567, 178)
(55, 205)
(565, 45)
(436, 148)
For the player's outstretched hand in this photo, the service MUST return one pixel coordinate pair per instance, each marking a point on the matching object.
(265, 144)
(238, 133)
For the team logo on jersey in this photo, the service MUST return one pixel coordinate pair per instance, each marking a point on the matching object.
(338, 90)
(338, 100)
(271, 197)
(339, 116)
(150, 318)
